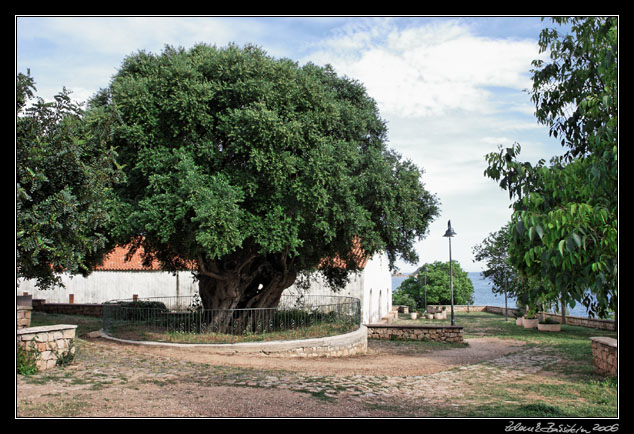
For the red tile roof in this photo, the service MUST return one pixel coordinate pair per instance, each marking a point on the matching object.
(116, 260)
(358, 255)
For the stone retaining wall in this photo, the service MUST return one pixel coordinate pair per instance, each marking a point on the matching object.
(593, 323)
(440, 333)
(48, 342)
(355, 342)
(605, 355)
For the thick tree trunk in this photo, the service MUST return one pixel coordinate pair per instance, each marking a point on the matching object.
(229, 295)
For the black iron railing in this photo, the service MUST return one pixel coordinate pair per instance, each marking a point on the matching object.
(183, 319)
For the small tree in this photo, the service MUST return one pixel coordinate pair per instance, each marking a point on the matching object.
(494, 252)
(438, 285)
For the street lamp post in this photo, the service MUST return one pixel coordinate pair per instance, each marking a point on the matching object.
(449, 234)
(425, 286)
(506, 307)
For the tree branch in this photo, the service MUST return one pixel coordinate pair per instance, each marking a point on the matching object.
(203, 270)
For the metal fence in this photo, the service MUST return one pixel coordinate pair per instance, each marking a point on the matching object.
(163, 318)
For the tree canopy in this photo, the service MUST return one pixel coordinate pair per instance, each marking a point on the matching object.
(434, 278)
(494, 252)
(64, 175)
(257, 169)
(564, 224)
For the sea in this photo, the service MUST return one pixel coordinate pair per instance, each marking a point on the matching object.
(483, 296)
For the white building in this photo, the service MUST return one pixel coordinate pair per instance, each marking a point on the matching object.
(373, 286)
(121, 279)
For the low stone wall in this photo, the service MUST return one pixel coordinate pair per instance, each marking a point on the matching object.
(594, 323)
(23, 316)
(68, 308)
(48, 342)
(605, 355)
(348, 344)
(440, 333)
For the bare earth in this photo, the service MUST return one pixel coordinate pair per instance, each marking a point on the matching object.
(109, 379)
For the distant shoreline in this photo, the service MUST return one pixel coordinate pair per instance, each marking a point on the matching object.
(409, 274)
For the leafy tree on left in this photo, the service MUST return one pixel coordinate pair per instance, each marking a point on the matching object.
(64, 174)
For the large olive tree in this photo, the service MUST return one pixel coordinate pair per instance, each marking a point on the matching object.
(256, 169)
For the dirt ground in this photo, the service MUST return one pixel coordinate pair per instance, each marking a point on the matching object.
(382, 359)
(110, 379)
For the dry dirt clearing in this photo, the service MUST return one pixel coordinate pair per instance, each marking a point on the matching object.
(394, 379)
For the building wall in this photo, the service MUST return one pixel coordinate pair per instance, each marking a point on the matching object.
(377, 282)
(102, 286)
(373, 287)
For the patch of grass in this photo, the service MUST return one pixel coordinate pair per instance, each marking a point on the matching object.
(139, 333)
(570, 388)
(85, 324)
(42, 377)
(59, 407)
(572, 343)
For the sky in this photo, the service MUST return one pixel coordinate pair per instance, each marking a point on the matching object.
(451, 89)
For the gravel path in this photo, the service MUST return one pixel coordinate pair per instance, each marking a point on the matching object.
(393, 379)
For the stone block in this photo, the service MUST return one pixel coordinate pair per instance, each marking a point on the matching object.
(41, 337)
(68, 333)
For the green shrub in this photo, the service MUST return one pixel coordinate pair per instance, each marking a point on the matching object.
(27, 360)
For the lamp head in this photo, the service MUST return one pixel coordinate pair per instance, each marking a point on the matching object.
(450, 232)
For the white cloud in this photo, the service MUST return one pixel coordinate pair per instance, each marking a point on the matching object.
(450, 96)
(83, 53)
(428, 70)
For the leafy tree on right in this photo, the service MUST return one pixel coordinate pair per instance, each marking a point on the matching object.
(564, 223)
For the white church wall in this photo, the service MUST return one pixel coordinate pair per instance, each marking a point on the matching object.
(378, 287)
(102, 286)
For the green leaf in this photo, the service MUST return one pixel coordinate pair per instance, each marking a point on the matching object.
(520, 227)
(540, 231)
(570, 245)
(561, 247)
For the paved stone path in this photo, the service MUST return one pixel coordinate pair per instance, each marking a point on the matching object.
(444, 384)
